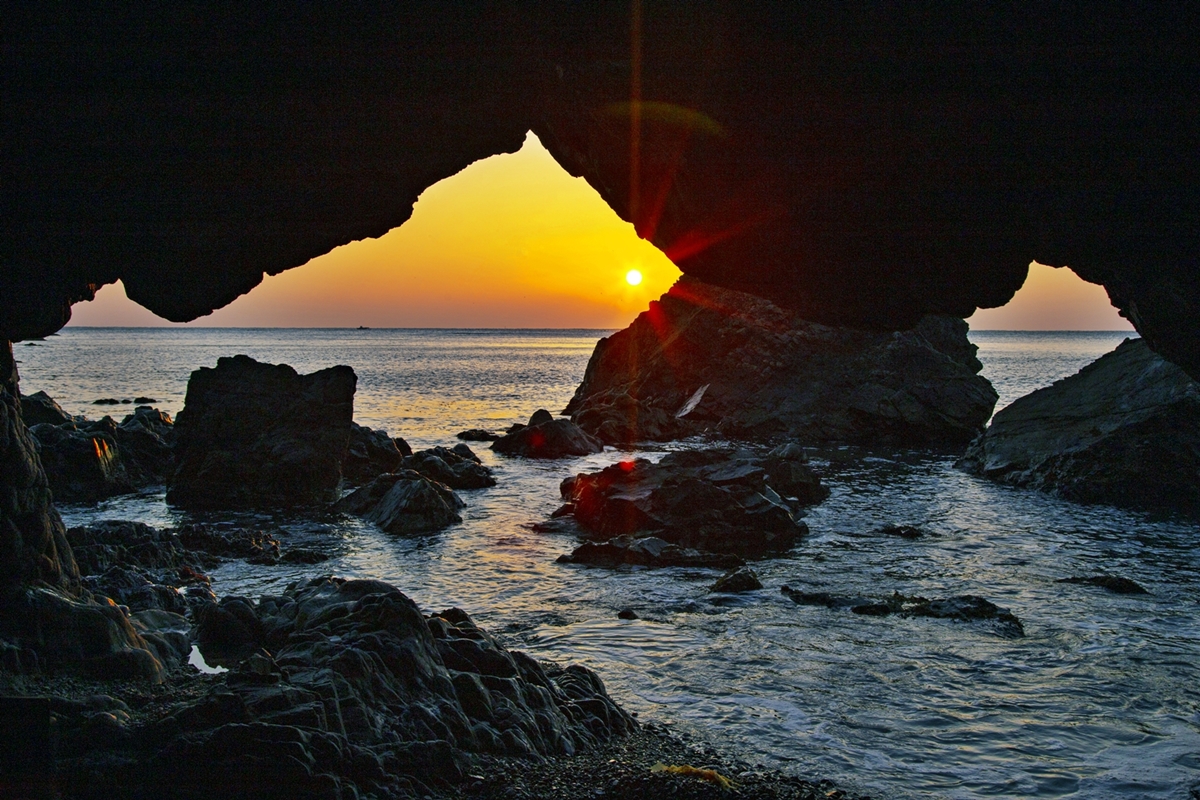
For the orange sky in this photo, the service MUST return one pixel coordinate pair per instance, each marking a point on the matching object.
(514, 242)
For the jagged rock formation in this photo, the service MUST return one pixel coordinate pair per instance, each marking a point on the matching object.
(404, 502)
(546, 437)
(350, 691)
(707, 358)
(260, 435)
(46, 620)
(866, 167)
(1124, 430)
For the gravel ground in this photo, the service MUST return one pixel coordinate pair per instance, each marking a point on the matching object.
(625, 769)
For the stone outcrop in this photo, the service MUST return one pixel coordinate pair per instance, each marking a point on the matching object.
(1125, 430)
(704, 501)
(960, 608)
(456, 467)
(864, 168)
(39, 407)
(260, 435)
(547, 437)
(348, 690)
(372, 453)
(705, 358)
(404, 502)
(86, 461)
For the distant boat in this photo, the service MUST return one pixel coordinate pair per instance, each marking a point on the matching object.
(363, 328)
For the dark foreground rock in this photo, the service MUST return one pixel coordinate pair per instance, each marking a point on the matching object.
(86, 461)
(372, 453)
(1124, 430)
(39, 408)
(404, 502)
(260, 435)
(646, 551)
(713, 502)
(742, 579)
(963, 608)
(457, 467)
(706, 358)
(1113, 583)
(354, 693)
(546, 437)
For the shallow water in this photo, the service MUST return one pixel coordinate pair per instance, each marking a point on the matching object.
(1099, 699)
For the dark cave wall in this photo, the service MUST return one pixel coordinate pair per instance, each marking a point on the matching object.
(866, 166)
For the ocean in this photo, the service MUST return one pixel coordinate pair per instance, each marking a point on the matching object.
(1100, 699)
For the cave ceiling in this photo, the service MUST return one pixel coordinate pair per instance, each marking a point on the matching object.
(866, 166)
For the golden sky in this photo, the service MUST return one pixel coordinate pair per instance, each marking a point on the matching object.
(514, 242)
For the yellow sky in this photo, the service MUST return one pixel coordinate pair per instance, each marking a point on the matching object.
(510, 242)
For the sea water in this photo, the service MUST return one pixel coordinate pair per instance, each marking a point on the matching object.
(1101, 698)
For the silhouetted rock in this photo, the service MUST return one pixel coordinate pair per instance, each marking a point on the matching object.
(1124, 430)
(646, 551)
(546, 437)
(706, 358)
(902, 531)
(250, 544)
(82, 461)
(371, 453)
(713, 502)
(39, 408)
(478, 435)
(145, 440)
(963, 608)
(405, 502)
(742, 579)
(260, 435)
(457, 467)
(1113, 583)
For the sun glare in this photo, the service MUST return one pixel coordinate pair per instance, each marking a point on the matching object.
(633, 277)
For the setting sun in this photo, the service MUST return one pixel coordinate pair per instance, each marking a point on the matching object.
(633, 277)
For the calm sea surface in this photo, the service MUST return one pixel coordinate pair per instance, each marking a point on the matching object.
(1100, 699)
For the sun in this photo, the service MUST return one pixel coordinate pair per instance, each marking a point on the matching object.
(633, 277)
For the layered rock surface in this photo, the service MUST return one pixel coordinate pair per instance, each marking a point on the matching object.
(689, 506)
(1124, 430)
(261, 435)
(707, 358)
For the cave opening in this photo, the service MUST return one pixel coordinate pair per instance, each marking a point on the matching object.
(511, 241)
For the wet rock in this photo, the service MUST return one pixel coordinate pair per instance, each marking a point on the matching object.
(627, 613)
(1124, 430)
(646, 551)
(902, 531)
(963, 608)
(41, 409)
(707, 358)
(457, 467)
(742, 579)
(255, 546)
(260, 435)
(715, 502)
(1113, 583)
(371, 453)
(303, 555)
(546, 437)
(107, 401)
(82, 461)
(358, 694)
(405, 502)
(145, 440)
(478, 435)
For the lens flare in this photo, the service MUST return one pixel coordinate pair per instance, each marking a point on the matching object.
(633, 277)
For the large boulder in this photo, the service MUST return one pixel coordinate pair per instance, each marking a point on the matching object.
(404, 502)
(1124, 430)
(706, 501)
(547, 437)
(146, 440)
(457, 467)
(706, 358)
(39, 408)
(261, 435)
(372, 453)
(82, 461)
